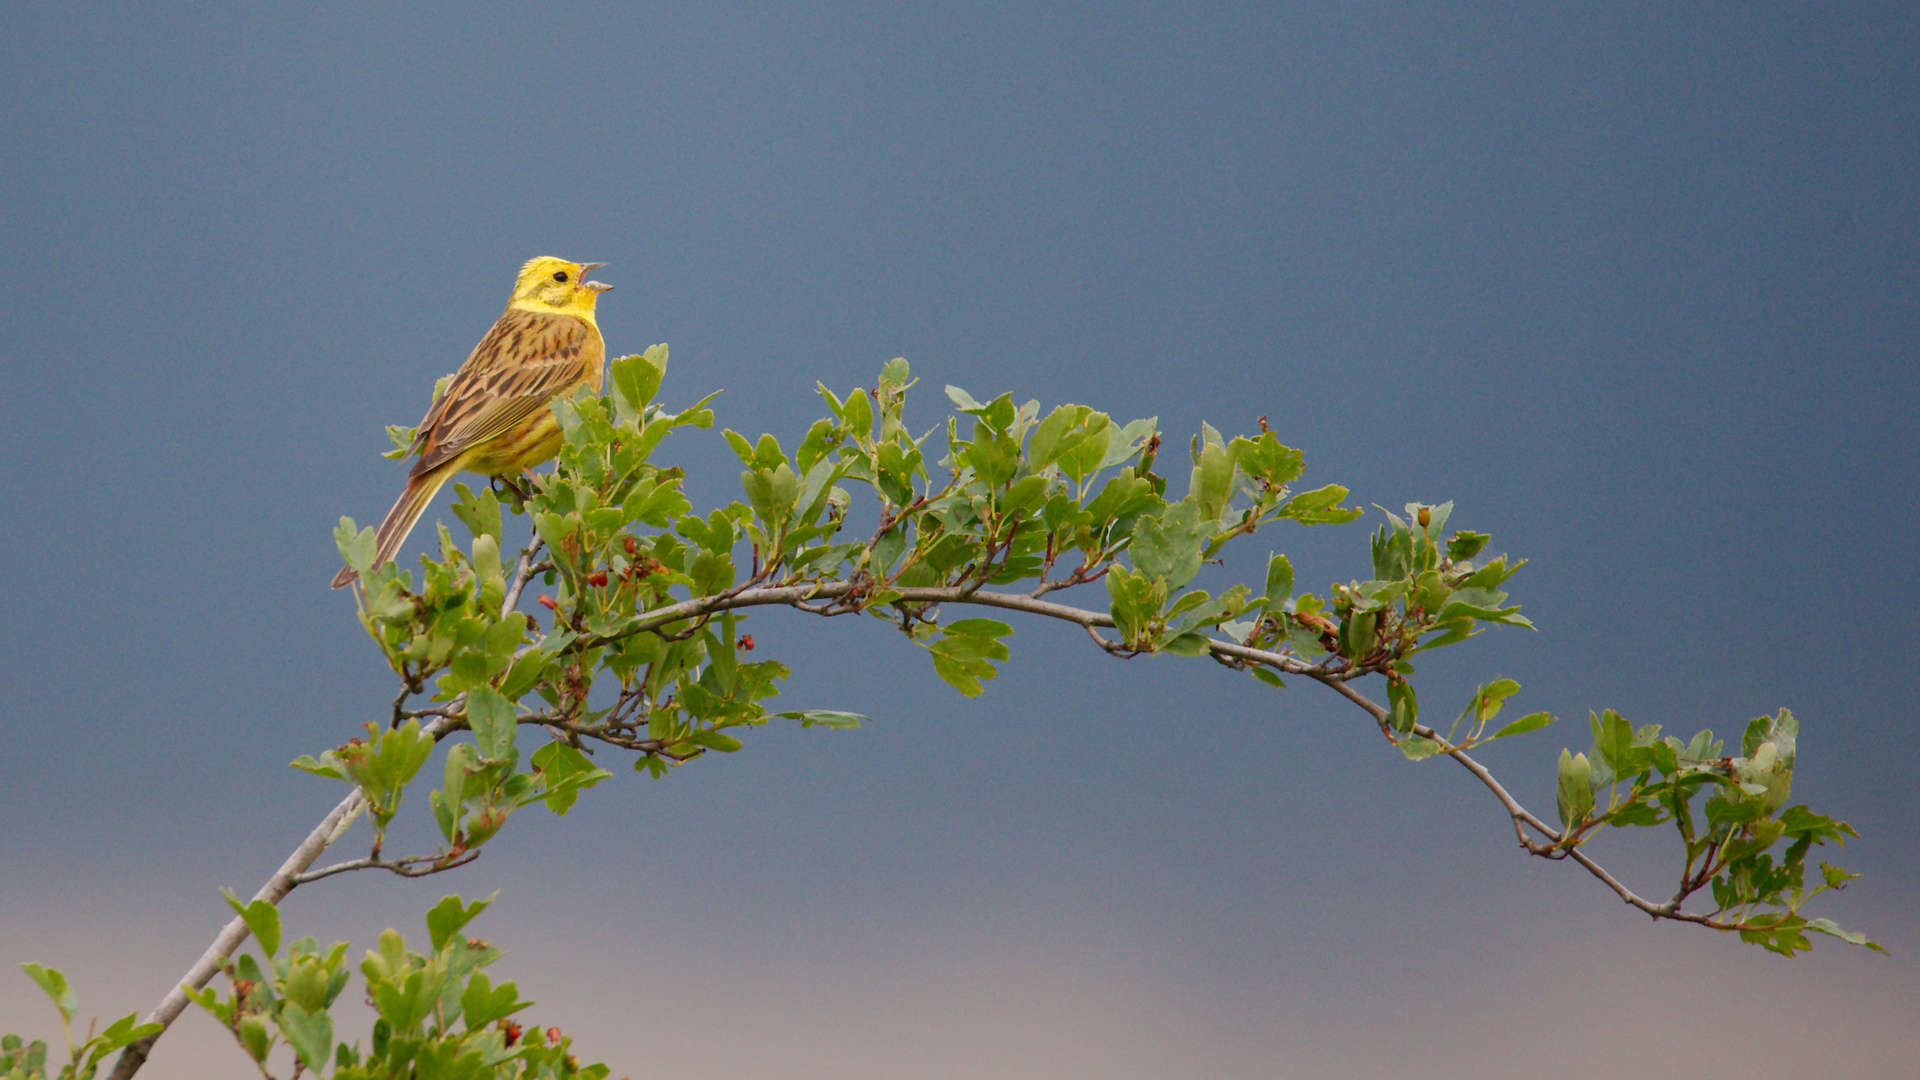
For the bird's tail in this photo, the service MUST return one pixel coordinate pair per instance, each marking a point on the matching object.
(394, 528)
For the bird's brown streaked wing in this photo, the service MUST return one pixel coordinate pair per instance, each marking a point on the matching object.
(510, 326)
(508, 336)
(517, 369)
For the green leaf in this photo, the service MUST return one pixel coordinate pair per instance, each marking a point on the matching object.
(483, 1003)
(1403, 709)
(993, 460)
(120, 1033)
(1192, 644)
(1135, 601)
(254, 1036)
(1025, 493)
(771, 492)
(356, 546)
(989, 628)
(305, 979)
(657, 503)
(261, 917)
(1574, 790)
(554, 528)
(998, 415)
(1125, 442)
(637, 378)
(1637, 812)
(564, 772)
(715, 740)
(493, 720)
(447, 917)
(1488, 699)
(1529, 722)
(1359, 633)
(1212, 481)
(327, 767)
(965, 653)
(964, 401)
(1465, 545)
(859, 415)
(1167, 547)
(825, 718)
(1083, 451)
(815, 488)
(1828, 926)
(55, 986)
(711, 573)
(1279, 584)
(401, 436)
(1418, 747)
(1048, 434)
(480, 512)
(406, 1000)
(310, 1034)
(1321, 506)
(1265, 459)
(1122, 496)
(1612, 741)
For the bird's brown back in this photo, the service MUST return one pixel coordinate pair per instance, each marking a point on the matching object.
(524, 362)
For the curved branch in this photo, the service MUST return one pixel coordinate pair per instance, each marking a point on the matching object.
(800, 596)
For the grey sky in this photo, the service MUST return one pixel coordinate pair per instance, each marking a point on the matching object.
(1635, 287)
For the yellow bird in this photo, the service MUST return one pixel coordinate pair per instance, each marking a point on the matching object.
(493, 418)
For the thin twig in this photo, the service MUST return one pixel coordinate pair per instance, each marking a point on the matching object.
(411, 866)
(524, 572)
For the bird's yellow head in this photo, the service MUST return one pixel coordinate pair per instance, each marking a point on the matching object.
(550, 285)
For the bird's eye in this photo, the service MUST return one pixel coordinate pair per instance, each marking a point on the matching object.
(559, 275)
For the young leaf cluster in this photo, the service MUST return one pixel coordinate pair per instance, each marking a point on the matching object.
(437, 1015)
(1730, 812)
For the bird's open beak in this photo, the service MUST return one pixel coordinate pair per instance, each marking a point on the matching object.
(596, 286)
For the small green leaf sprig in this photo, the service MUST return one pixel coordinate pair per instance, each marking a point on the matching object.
(1728, 838)
(437, 1014)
